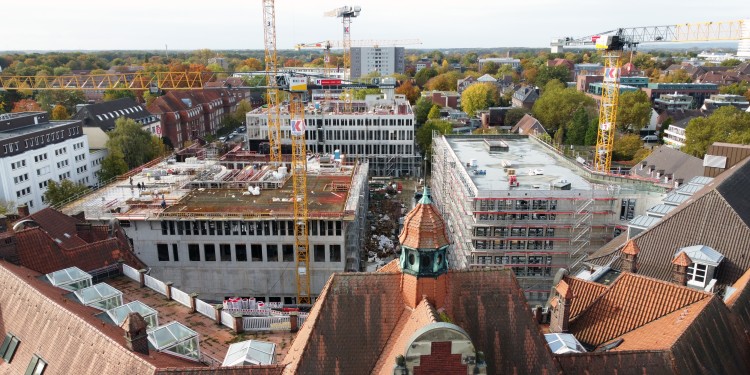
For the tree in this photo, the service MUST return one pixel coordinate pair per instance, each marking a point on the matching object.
(422, 110)
(251, 64)
(592, 132)
(626, 146)
(243, 107)
(423, 137)
(576, 134)
(60, 113)
(477, 97)
(113, 165)
(424, 75)
(556, 106)
(731, 62)
(362, 93)
(26, 105)
(490, 67)
(409, 90)
(434, 112)
(6, 207)
(740, 88)
(444, 82)
(633, 110)
(58, 193)
(118, 93)
(514, 115)
(676, 76)
(149, 98)
(549, 73)
(135, 144)
(726, 124)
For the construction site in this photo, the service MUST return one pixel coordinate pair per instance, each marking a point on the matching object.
(513, 201)
(224, 226)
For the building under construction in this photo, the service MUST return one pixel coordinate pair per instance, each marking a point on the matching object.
(512, 201)
(379, 130)
(224, 226)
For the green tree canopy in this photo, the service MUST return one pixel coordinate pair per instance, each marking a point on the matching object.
(592, 131)
(549, 73)
(490, 67)
(58, 193)
(118, 93)
(556, 106)
(731, 62)
(243, 107)
(60, 113)
(362, 93)
(113, 165)
(423, 137)
(422, 110)
(424, 75)
(434, 112)
(576, 134)
(136, 145)
(477, 97)
(444, 82)
(726, 124)
(633, 110)
(626, 146)
(514, 115)
(740, 88)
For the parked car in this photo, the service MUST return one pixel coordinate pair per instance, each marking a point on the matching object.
(650, 138)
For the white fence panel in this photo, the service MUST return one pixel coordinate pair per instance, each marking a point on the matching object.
(131, 272)
(181, 297)
(155, 284)
(205, 309)
(227, 319)
(272, 323)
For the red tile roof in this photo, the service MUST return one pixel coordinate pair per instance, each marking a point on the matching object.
(682, 260)
(632, 301)
(423, 228)
(584, 293)
(563, 290)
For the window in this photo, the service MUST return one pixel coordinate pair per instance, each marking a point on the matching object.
(697, 273)
(175, 253)
(162, 251)
(225, 252)
(194, 252)
(36, 366)
(209, 252)
(272, 253)
(288, 253)
(257, 252)
(240, 251)
(319, 253)
(335, 253)
(8, 349)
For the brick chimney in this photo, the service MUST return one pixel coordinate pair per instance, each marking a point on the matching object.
(293, 321)
(629, 257)
(561, 308)
(136, 338)
(679, 268)
(23, 211)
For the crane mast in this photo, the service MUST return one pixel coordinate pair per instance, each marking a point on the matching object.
(272, 92)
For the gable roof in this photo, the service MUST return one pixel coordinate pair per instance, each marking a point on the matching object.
(526, 94)
(486, 78)
(702, 220)
(104, 114)
(528, 125)
(584, 293)
(623, 307)
(672, 161)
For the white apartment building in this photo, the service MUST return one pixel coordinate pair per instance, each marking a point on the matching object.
(378, 130)
(674, 136)
(500, 61)
(34, 150)
(384, 60)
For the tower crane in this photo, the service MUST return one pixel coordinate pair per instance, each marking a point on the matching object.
(346, 13)
(614, 42)
(296, 87)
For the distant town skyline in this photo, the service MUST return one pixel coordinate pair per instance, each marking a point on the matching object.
(224, 24)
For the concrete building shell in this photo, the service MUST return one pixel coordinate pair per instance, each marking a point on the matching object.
(200, 225)
(534, 228)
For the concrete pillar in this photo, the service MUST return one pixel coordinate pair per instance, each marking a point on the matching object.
(293, 321)
(217, 313)
(238, 328)
(169, 290)
(193, 297)
(142, 277)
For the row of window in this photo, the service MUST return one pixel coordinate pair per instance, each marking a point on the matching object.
(8, 350)
(40, 157)
(62, 163)
(18, 164)
(519, 204)
(78, 145)
(512, 217)
(244, 228)
(82, 169)
(61, 151)
(64, 176)
(240, 253)
(513, 232)
(23, 192)
(21, 178)
(514, 245)
(80, 157)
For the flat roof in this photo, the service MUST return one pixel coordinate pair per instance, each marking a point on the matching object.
(524, 155)
(33, 128)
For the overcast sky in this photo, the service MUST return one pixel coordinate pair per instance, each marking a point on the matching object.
(233, 24)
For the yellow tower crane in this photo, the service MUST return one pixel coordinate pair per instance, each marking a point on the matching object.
(296, 87)
(614, 42)
(346, 13)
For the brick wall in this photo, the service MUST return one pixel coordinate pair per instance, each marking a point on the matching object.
(441, 361)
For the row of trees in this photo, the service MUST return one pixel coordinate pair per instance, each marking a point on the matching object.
(129, 146)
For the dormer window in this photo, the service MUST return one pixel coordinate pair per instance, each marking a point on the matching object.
(697, 274)
(704, 263)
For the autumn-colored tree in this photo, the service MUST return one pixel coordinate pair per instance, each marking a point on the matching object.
(60, 113)
(726, 124)
(633, 110)
(26, 105)
(626, 146)
(490, 68)
(252, 64)
(243, 107)
(444, 82)
(292, 63)
(477, 97)
(409, 90)
(424, 75)
(434, 113)
(676, 76)
(557, 104)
